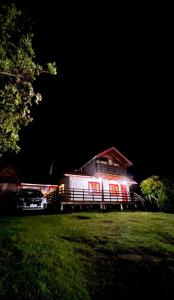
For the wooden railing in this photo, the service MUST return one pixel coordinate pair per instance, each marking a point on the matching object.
(108, 169)
(85, 195)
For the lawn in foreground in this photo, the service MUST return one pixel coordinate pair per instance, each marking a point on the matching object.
(116, 255)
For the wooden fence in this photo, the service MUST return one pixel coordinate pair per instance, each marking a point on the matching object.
(85, 195)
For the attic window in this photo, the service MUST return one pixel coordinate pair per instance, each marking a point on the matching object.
(110, 162)
(104, 160)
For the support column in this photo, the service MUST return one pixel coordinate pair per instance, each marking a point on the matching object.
(121, 207)
(61, 207)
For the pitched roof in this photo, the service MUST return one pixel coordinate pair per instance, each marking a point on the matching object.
(9, 175)
(114, 153)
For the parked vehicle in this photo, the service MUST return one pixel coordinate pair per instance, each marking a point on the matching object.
(31, 199)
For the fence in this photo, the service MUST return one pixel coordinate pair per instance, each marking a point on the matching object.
(85, 195)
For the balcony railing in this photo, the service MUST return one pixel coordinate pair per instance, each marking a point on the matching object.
(109, 169)
(85, 195)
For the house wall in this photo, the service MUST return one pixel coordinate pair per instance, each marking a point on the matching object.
(66, 181)
(5, 187)
(81, 182)
(7, 197)
(90, 169)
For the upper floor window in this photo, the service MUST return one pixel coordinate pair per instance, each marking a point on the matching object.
(110, 161)
(104, 160)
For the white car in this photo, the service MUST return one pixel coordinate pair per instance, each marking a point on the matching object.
(31, 199)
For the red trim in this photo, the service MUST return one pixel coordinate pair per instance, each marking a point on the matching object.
(124, 192)
(114, 152)
(94, 186)
(114, 189)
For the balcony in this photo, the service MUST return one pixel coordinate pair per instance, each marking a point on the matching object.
(109, 169)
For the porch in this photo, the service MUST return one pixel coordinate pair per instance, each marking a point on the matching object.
(85, 197)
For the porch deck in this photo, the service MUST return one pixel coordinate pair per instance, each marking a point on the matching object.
(82, 197)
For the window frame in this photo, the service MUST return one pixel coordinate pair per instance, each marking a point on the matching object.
(92, 189)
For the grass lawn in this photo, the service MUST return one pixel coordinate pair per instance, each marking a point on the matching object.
(87, 255)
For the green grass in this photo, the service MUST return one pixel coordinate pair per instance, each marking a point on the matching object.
(116, 255)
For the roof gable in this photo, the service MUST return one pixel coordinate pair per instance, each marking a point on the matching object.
(9, 174)
(115, 154)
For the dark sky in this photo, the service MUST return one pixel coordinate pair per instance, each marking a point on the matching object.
(114, 87)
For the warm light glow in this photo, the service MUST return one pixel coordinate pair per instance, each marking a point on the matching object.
(76, 175)
(124, 182)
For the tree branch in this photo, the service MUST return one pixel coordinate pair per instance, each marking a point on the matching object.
(9, 74)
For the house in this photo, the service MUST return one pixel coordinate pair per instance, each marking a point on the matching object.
(103, 179)
(9, 180)
(9, 184)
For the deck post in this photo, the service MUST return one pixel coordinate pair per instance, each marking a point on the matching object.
(61, 207)
(102, 190)
(121, 207)
(101, 206)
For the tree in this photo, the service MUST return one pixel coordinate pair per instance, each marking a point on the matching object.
(161, 189)
(18, 71)
(167, 201)
(152, 187)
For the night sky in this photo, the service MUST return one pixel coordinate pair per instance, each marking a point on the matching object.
(114, 88)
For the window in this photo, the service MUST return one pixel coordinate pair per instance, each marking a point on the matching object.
(45, 188)
(104, 160)
(114, 189)
(110, 162)
(61, 188)
(94, 186)
(124, 192)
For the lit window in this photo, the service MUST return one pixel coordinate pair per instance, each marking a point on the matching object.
(104, 160)
(94, 186)
(114, 189)
(110, 162)
(45, 188)
(124, 192)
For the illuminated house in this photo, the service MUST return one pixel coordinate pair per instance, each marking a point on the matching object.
(103, 178)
